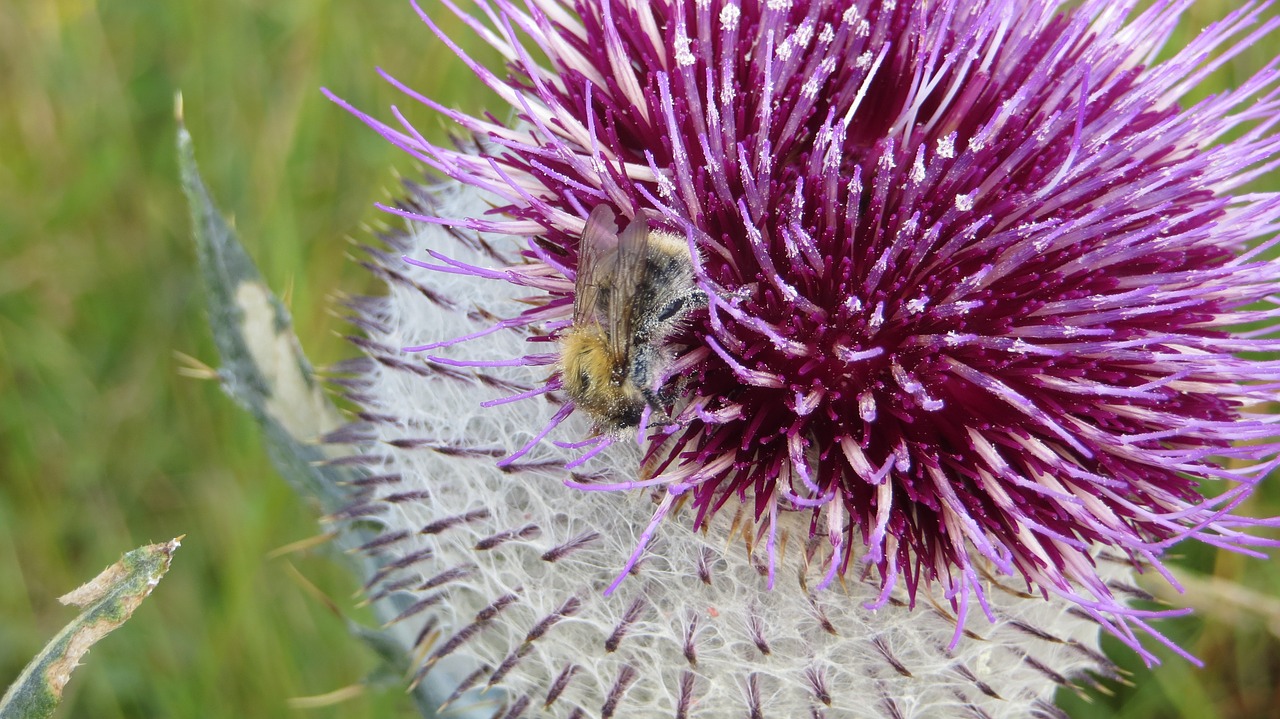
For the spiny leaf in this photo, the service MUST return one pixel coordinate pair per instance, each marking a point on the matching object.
(265, 371)
(263, 367)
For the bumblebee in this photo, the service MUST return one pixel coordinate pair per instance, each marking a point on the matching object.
(631, 295)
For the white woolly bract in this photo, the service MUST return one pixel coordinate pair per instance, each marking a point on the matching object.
(509, 577)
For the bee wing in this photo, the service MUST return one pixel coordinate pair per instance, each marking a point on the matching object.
(628, 275)
(596, 249)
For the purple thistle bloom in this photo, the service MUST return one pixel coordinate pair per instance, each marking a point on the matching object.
(983, 299)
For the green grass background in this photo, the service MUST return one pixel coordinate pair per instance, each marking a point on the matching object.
(104, 447)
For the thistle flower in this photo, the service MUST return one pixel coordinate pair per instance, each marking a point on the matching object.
(975, 284)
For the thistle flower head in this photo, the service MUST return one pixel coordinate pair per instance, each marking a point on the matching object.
(975, 283)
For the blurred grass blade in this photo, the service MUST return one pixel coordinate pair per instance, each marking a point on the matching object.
(265, 371)
(108, 600)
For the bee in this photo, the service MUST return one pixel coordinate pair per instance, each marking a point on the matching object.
(631, 295)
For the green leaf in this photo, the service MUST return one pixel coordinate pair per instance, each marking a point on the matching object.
(108, 601)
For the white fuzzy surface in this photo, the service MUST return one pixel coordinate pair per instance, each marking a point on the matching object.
(857, 675)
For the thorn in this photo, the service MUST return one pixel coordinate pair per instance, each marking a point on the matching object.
(301, 545)
(329, 699)
(312, 589)
(194, 368)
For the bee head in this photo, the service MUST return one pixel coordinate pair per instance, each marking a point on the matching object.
(597, 380)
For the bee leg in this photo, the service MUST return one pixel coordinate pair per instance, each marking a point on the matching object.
(658, 399)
